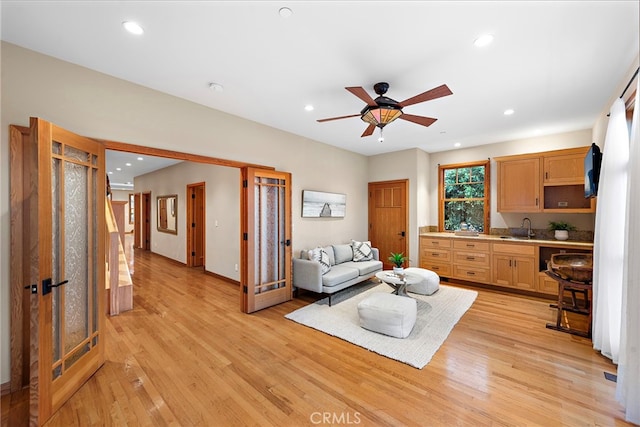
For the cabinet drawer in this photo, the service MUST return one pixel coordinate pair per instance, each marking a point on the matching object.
(479, 259)
(514, 248)
(435, 242)
(471, 245)
(442, 269)
(436, 254)
(471, 273)
(547, 285)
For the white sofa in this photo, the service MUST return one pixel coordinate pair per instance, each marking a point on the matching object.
(342, 268)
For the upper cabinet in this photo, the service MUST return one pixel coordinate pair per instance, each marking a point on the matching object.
(552, 181)
(519, 185)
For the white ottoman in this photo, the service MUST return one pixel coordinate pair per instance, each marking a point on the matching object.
(388, 314)
(430, 281)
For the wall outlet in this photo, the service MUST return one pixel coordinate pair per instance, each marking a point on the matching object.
(236, 267)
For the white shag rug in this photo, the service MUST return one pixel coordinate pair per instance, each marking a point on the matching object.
(436, 317)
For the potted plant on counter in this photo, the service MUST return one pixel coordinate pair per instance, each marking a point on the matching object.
(561, 229)
(398, 260)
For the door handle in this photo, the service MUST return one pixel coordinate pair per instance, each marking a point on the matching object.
(34, 288)
(47, 286)
(286, 242)
(402, 233)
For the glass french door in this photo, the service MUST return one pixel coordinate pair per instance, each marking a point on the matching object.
(69, 312)
(266, 239)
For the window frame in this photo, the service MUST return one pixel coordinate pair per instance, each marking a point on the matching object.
(487, 192)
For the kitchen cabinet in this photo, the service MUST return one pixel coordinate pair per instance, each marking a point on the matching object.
(558, 187)
(514, 266)
(435, 255)
(471, 261)
(519, 185)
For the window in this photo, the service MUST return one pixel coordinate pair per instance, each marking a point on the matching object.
(464, 196)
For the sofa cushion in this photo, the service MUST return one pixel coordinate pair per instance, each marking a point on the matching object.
(338, 274)
(342, 253)
(329, 251)
(364, 267)
(320, 255)
(361, 251)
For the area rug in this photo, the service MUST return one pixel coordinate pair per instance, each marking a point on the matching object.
(436, 317)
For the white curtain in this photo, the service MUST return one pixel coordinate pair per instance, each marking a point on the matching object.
(628, 387)
(608, 247)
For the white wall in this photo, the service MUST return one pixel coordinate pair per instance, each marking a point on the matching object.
(96, 105)
(222, 213)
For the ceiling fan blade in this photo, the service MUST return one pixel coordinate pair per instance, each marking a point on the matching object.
(362, 94)
(337, 118)
(434, 93)
(421, 120)
(368, 131)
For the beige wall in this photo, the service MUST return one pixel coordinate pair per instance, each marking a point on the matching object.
(97, 105)
(222, 210)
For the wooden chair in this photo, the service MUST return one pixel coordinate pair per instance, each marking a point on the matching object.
(573, 287)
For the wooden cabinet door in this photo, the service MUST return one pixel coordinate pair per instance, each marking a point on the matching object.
(564, 169)
(519, 185)
(502, 270)
(524, 273)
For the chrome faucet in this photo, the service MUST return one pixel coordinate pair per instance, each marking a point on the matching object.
(530, 233)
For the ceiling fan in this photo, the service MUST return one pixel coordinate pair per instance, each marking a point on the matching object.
(383, 110)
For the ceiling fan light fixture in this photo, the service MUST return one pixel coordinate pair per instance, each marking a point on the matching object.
(380, 116)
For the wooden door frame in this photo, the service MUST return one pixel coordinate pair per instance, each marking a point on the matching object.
(406, 184)
(137, 221)
(190, 219)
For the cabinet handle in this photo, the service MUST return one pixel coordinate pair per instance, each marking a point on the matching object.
(435, 243)
(515, 263)
(546, 175)
(509, 263)
(471, 273)
(471, 258)
(536, 201)
(435, 254)
(435, 268)
(471, 245)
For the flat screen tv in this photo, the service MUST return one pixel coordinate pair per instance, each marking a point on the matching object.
(592, 162)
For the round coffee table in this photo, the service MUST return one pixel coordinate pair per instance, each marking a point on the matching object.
(398, 281)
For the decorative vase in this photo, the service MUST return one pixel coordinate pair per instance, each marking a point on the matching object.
(398, 270)
(562, 234)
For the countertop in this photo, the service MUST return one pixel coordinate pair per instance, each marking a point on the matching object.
(496, 238)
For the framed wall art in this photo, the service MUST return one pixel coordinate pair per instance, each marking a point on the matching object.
(319, 204)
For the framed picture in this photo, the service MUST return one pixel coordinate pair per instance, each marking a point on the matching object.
(318, 204)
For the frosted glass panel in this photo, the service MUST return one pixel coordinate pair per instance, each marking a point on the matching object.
(55, 263)
(76, 239)
(269, 231)
(94, 255)
(74, 153)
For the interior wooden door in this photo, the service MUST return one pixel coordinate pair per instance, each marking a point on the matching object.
(67, 312)
(266, 239)
(195, 224)
(388, 218)
(146, 221)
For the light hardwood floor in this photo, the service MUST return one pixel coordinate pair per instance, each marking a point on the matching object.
(187, 356)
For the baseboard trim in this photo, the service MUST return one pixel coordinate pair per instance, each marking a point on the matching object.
(223, 278)
(5, 388)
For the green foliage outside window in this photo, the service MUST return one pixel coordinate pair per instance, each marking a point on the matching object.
(464, 197)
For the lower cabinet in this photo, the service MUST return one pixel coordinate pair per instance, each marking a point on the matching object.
(471, 261)
(514, 266)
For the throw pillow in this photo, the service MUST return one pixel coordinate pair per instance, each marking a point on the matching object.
(362, 251)
(343, 253)
(321, 256)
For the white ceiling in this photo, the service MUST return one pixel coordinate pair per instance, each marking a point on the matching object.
(131, 165)
(555, 63)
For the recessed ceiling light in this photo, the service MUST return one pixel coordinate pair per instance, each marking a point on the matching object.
(308, 107)
(140, 158)
(118, 169)
(285, 12)
(133, 27)
(127, 164)
(483, 40)
(508, 112)
(110, 172)
(216, 87)
(457, 144)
